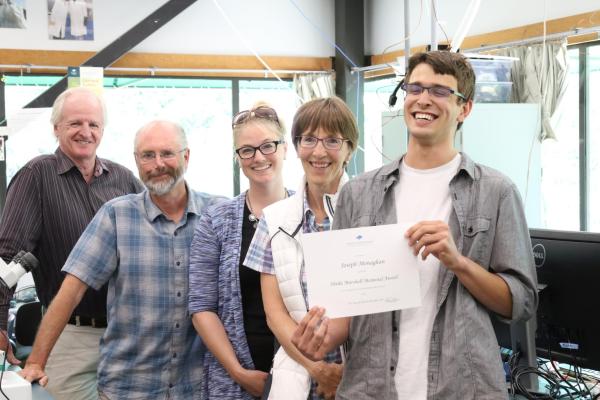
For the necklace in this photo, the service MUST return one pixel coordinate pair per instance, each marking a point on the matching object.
(252, 217)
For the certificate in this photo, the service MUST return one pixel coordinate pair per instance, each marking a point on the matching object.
(361, 270)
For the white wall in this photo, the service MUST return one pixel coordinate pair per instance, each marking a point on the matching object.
(270, 27)
(276, 27)
(385, 18)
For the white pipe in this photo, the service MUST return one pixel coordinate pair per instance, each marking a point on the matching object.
(151, 70)
(536, 39)
(406, 32)
(465, 25)
(434, 44)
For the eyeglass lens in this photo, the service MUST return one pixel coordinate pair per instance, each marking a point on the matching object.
(330, 143)
(265, 148)
(149, 156)
(436, 90)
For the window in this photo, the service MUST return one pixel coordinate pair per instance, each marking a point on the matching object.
(202, 106)
(571, 164)
(37, 138)
(593, 131)
(377, 94)
(560, 159)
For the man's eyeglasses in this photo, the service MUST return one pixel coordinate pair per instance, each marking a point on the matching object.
(246, 152)
(262, 112)
(150, 156)
(330, 143)
(437, 91)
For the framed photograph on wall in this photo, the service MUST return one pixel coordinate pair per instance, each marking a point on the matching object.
(13, 14)
(70, 19)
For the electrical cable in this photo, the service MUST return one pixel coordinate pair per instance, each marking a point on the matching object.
(245, 42)
(409, 35)
(558, 386)
(517, 372)
(323, 35)
(578, 376)
(346, 57)
(439, 24)
(561, 376)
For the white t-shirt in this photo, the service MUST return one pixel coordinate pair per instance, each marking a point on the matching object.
(421, 195)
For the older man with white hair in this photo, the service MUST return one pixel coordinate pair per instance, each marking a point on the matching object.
(49, 203)
(139, 244)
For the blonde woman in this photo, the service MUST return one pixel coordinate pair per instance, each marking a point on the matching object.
(225, 298)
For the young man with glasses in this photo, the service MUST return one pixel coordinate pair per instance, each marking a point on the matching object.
(50, 201)
(139, 244)
(470, 235)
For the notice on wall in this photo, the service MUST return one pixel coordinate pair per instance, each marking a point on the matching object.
(89, 77)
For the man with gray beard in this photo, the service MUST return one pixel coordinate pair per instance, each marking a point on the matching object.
(139, 244)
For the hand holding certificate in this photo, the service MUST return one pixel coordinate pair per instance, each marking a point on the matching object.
(359, 271)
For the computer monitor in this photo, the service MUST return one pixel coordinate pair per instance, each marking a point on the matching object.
(568, 316)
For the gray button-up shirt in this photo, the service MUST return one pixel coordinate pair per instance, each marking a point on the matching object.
(488, 225)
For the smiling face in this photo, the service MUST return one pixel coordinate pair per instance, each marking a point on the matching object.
(80, 127)
(324, 168)
(260, 169)
(161, 175)
(433, 120)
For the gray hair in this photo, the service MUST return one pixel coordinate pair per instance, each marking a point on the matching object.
(57, 107)
(181, 135)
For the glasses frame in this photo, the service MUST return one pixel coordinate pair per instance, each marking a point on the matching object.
(322, 140)
(405, 86)
(259, 148)
(262, 112)
(160, 154)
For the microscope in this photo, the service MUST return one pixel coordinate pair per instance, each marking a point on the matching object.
(21, 264)
(12, 384)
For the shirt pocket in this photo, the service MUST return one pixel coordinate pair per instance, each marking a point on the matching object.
(363, 220)
(477, 239)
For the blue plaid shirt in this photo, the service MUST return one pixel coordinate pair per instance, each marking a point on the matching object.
(150, 349)
(260, 258)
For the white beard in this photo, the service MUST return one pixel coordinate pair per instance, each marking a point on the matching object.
(164, 186)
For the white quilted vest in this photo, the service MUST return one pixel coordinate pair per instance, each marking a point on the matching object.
(284, 221)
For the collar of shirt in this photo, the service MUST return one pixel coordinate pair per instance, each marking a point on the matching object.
(309, 221)
(391, 171)
(153, 212)
(65, 164)
(329, 200)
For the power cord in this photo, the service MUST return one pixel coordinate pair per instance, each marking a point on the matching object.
(557, 384)
(518, 372)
